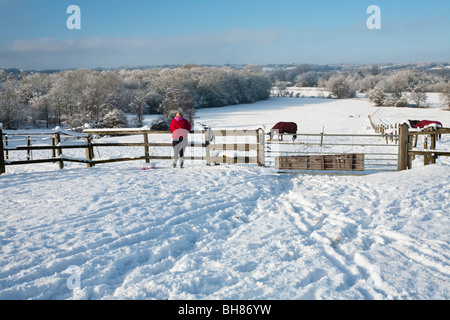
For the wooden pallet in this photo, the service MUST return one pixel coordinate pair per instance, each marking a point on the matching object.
(339, 162)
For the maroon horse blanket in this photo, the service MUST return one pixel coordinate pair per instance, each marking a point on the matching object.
(285, 127)
(420, 124)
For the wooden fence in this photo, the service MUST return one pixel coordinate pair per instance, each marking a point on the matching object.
(12, 142)
(214, 146)
(230, 147)
(389, 130)
(408, 141)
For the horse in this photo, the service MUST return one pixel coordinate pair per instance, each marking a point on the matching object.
(420, 124)
(284, 127)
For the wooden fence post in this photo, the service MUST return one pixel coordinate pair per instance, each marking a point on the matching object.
(89, 152)
(6, 145)
(433, 146)
(207, 146)
(29, 150)
(147, 153)
(261, 140)
(321, 136)
(53, 148)
(2, 154)
(58, 142)
(403, 147)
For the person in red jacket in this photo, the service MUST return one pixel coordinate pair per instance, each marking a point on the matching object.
(180, 129)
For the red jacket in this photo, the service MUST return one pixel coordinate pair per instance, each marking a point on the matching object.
(180, 127)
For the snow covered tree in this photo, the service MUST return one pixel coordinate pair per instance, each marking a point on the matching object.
(445, 95)
(138, 107)
(398, 84)
(401, 103)
(375, 70)
(9, 102)
(281, 87)
(61, 99)
(377, 95)
(101, 95)
(308, 79)
(160, 124)
(113, 119)
(401, 81)
(256, 85)
(340, 88)
(177, 100)
(418, 95)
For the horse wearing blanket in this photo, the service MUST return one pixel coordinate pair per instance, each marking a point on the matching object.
(284, 127)
(421, 124)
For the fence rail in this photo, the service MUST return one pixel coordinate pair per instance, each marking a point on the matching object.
(230, 147)
(429, 152)
(208, 149)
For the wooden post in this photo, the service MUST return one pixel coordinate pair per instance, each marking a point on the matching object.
(58, 141)
(396, 133)
(432, 146)
(414, 141)
(321, 136)
(28, 150)
(425, 147)
(2, 154)
(260, 148)
(89, 152)
(207, 147)
(6, 145)
(147, 153)
(403, 148)
(54, 148)
(410, 157)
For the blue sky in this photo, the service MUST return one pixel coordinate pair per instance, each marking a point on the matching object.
(34, 33)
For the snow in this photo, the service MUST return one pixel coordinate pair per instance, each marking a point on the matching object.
(230, 231)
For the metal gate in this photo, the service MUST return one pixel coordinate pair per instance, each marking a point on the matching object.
(332, 153)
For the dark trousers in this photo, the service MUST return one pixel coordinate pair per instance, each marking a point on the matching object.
(177, 147)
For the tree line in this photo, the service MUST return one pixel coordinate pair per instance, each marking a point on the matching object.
(392, 85)
(73, 98)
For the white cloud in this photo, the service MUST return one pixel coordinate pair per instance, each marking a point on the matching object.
(213, 47)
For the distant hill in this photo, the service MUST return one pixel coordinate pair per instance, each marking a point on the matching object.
(432, 66)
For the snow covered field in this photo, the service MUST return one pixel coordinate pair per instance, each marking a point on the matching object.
(231, 232)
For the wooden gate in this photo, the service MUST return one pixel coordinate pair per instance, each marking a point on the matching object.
(332, 153)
